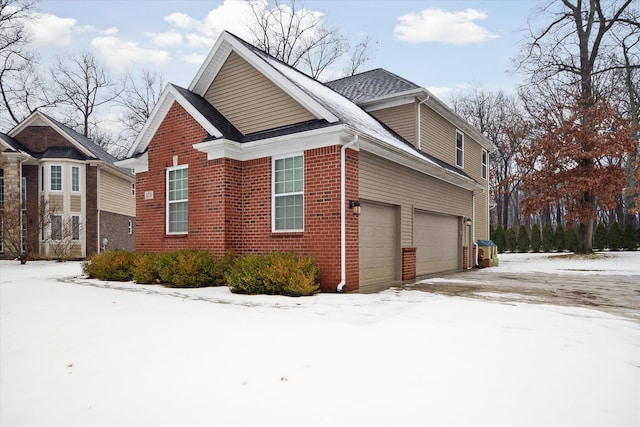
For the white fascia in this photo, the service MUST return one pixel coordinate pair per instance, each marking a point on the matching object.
(138, 164)
(281, 145)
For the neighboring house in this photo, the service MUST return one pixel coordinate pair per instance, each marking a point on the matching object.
(71, 194)
(371, 174)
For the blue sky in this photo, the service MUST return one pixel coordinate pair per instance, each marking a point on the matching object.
(445, 46)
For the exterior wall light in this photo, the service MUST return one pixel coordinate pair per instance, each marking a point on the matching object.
(354, 205)
(468, 222)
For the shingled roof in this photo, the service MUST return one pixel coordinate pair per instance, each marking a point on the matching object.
(370, 85)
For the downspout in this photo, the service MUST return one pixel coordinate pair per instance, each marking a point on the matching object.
(343, 219)
(419, 145)
(473, 223)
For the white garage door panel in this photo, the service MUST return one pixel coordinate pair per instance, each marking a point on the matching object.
(377, 244)
(436, 240)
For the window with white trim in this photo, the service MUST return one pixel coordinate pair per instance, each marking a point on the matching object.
(56, 227)
(42, 178)
(55, 178)
(130, 227)
(177, 199)
(288, 194)
(459, 149)
(23, 192)
(75, 227)
(75, 179)
(133, 188)
(484, 163)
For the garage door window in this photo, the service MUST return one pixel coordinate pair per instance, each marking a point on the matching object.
(288, 194)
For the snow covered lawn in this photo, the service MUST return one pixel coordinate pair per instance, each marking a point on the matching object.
(83, 352)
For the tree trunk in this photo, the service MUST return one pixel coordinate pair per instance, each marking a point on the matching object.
(585, 238)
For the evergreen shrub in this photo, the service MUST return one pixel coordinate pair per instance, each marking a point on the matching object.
(558, 238)
(189, 268)
(498, 238)
(277, 273)
(629, 242)
(536, 241)
(615, 237)
(600, 237)
(510, 240)
(145, 269)
(110, 265)
(571, 239)
(523, 241)
(547, 238)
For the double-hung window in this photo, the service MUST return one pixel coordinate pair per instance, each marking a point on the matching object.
(288, 194)
(459, 149)
(484, 163)
(55, 178)
(75, 227)
(177, 199)
(75, 179)
(56, 227)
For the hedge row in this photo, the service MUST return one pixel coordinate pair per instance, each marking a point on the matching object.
(276, 273)
(560, 239)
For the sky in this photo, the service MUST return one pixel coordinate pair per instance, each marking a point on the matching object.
(445, 46)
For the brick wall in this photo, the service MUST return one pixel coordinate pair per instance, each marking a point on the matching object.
(91, 221)
(115, 228)
(39, 138)
(408, 263)
(230, 202)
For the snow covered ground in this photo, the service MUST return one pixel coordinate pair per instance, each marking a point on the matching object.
(79, 352)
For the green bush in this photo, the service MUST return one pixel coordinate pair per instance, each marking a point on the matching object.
(189, 268)
(273, 274)
(145, 269)
(547, 238)
(558, 238)
(536, 241)
(110, 265)
(600, 237)
(615, 237)
(571, 239)
(510, 240)
(498, 238)
(523, 241)
(629, 242)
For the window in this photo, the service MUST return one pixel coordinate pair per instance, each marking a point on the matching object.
(288, 194)
(42, 178)
(133, 189)
(55, 178)
(459, 149)
(56, 227)
(1, 187)
(75, 179)
(23, 192)
(75, 227)
(177, 199)
(130, 227)
(484, 164)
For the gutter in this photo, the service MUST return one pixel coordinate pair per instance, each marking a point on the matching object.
(343, 219)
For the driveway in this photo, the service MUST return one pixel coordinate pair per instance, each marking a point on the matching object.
(617, 294)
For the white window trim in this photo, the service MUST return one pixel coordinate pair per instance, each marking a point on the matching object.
(484, 164)
(50, 168)
(130, 226)
(458, 132)
(51, 227)
(273, 192)
(75, 215)
(79, 179)
(173, 168)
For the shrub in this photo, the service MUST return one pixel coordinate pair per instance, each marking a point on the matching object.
(498, 238)
(615, 237)
(600, 237)
(536, 241)
(558, 238)
(510, 240)
(571, 239)
(547, 238)
(523, 239)
(274, 274)
(189, 268)
(145, 269)
(629, 238)
(110, 265)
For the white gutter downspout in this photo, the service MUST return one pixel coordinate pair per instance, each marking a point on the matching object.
(343, 219)
(419, 145)
(473, 223)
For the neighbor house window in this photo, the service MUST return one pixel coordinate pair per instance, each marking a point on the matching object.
(75, 227)
(484, 164)
(133, 189)
(288, 194)
(130, 227)
(56, 227)
(459, 149)
(42, 179)
(55, 178)
(177, 199)
(23, 192)
(75, 179)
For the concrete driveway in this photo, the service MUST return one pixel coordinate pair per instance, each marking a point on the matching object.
(612, 293)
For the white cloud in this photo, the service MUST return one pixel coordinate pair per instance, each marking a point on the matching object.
(194, 58)
(120, 53)
(169, 38)
(197, 41)
(437, 25)
(439, 91)
(51, 31)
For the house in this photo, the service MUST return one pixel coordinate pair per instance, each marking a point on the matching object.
(74, 200)
(371, 174)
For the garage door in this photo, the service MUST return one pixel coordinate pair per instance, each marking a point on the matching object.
(436, 240)
(377, 244)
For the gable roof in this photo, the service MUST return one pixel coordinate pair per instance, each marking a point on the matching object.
(371, 84)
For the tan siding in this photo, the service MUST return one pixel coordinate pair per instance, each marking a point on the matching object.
(438, 136)
(114, 194)
(56, 204)
(402, 119)
(251, 101)
(473, 159)
(75, 204)
(383, 181)
(482, 217)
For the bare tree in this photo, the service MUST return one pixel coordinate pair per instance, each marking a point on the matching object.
(138, 99)
(296, 36)
(82, 84)
(572, 49)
